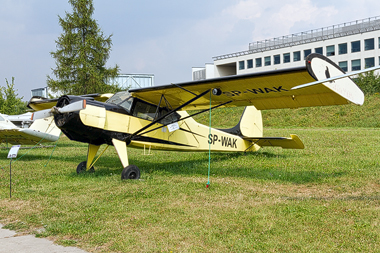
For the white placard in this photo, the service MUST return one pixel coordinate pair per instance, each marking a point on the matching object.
(173, 126)
(13, 152)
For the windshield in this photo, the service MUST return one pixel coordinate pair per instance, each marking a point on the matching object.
(118, 98)
(122, 99)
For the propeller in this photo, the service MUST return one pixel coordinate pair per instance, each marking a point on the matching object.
(76, 106)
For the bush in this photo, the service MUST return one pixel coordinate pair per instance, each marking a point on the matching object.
(369, 82)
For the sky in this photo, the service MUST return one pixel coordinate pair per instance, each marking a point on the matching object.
(165, 38)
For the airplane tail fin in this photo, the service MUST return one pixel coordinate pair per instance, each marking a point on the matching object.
(250, 127)
(250, 124)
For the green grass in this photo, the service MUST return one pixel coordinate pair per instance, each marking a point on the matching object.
(324, 198)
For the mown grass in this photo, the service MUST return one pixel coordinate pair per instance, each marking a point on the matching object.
(324, 198)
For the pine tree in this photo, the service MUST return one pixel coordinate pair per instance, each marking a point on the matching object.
(82, 52)
(10, 103)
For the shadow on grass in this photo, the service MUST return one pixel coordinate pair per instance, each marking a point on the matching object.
(255, 166)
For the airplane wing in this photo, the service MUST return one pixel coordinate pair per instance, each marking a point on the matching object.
(13, 131)
(39, 103)
(25, 136)
(294, 142)
(265, 90)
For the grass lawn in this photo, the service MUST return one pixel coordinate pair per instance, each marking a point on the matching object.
(325, 198)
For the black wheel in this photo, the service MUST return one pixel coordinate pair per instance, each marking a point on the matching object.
(82, 168)
(130, 172)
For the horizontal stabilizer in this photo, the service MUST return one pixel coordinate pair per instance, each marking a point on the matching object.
(294, 142)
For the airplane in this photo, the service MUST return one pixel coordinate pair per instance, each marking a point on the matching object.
(20, 129)
(157, 116)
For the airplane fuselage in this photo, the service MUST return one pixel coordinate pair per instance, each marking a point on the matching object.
(99, 123)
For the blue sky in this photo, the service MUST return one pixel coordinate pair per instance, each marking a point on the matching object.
(165, 38)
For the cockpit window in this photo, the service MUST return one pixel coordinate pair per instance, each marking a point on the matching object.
(148, 111)
(118, 97)
(127, 104)
(144, 110)
(2, 119)
(122, 99)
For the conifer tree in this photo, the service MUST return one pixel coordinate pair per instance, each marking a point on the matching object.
(82, 52)
(10, 103)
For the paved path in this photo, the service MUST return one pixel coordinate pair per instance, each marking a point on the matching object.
(11, 242)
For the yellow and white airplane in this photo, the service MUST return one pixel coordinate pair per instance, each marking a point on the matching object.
(157, 117)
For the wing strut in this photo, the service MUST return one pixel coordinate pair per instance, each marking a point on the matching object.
(166, 115)
(192, 115)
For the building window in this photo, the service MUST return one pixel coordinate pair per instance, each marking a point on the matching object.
(249, 64)
(267, 61)
(342, 48)
(330, 50)
(369, 44)
(343, 65)
(306, 53)
(369, 62)
(241, 65)
(258, 62)
(355, 65)
(286, 57)
(276, 59)
(379, 42)
(355, 46)
(297, 56)
(319, 50)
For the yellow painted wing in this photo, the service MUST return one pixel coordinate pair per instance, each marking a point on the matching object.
(267, 90)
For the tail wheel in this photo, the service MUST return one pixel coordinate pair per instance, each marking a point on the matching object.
(130, 172)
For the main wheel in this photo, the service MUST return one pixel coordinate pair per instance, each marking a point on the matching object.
(130, 172)
(82, 168)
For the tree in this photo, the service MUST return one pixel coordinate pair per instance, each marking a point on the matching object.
(9, 102)
(82, 52)
(369, 82)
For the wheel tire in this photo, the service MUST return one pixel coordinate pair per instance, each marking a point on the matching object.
(81, 168)
(130, 172)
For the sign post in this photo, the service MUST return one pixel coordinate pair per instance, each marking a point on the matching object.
(12, 154)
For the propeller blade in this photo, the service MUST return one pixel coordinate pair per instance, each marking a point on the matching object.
(42, 114)
(76, 106)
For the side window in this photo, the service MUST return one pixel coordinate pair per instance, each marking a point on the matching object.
(144, 110)
(148, 111)
(174, 117)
